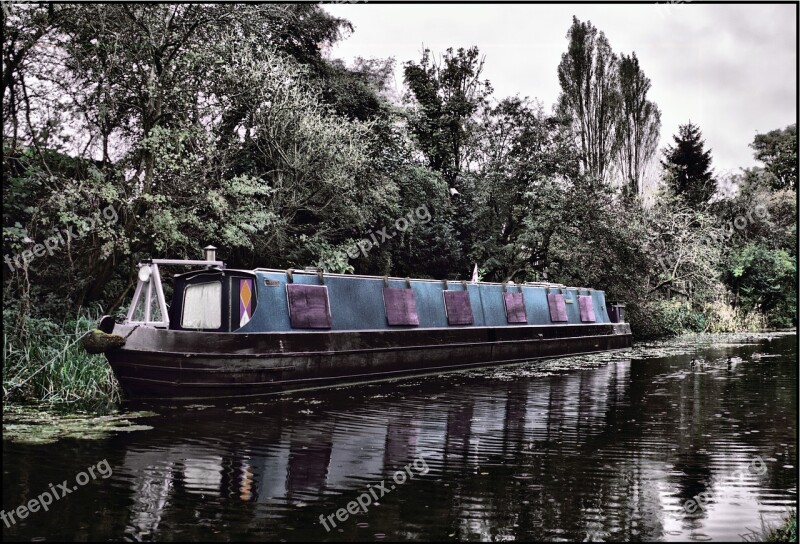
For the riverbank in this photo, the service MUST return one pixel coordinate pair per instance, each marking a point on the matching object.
(785, 532)
(659, 319)
(44, 362)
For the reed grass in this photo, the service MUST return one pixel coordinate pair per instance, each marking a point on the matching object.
(43, 361)
(785, 532)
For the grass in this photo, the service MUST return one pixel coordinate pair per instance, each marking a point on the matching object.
(46, 363)
(786, 532)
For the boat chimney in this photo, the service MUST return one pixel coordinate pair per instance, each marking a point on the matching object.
(210, 253)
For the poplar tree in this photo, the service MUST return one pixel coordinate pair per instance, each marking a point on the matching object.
(590, 97)
(638, 127)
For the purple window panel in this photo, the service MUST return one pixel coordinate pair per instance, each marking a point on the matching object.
(515, 308)
(587, 308)
(558, 308)
(308, 306)
(401, 307)
(458, 307)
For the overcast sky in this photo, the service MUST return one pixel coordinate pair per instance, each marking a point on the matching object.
(731, 69)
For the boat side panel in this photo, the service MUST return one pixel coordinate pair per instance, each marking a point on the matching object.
(272, 311)
(357, 303)
(573, 312)
(536, 306)
(600, 310)
(491, 309)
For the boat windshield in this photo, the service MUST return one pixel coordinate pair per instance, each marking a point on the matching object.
(202, 306)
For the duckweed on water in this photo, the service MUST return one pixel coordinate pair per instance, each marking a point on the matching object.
(686, 344)
(34, 424)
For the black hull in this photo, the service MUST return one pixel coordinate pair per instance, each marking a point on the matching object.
(158, 363)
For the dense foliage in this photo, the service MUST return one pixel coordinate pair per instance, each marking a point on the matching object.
(132, 131)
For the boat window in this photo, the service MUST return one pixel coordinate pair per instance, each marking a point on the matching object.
(587, 308)
(558, 309)
(202, 306)
(401, 307)
(308, 306)
(515, 308)
(457, 307)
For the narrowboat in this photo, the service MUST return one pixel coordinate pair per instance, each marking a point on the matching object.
(240, 333)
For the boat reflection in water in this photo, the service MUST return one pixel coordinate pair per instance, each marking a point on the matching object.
(279, 460)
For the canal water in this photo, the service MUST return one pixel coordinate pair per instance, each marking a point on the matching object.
(637, 445)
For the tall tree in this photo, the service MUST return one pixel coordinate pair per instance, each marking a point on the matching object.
(687, 167)
(588, 74)
(777, 149)
(448, 95)
(525, 168)
(639, 125)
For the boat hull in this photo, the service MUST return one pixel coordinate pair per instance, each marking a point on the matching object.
(160, 363)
